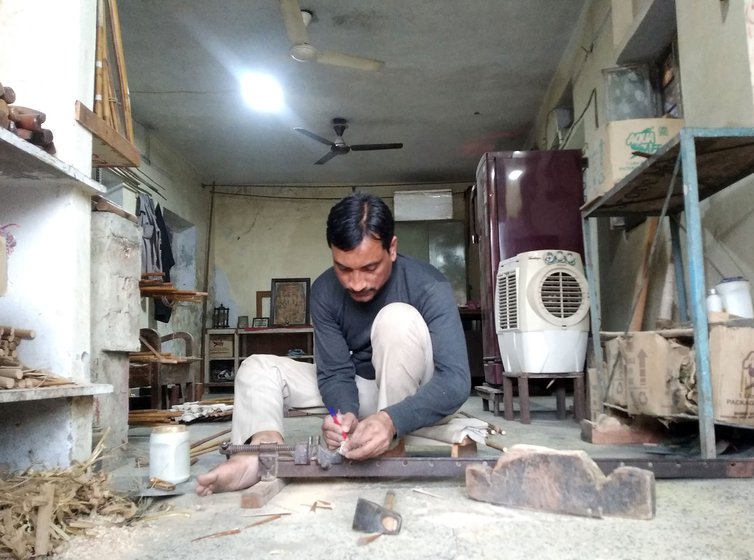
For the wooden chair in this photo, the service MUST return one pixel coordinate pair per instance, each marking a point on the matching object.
(153, 367)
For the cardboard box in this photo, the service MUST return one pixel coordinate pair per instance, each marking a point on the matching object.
(615, 377)
(732, 369)
(610, 150)
(221, 346)
(654, 376)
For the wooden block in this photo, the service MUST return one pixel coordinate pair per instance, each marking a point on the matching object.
(611, 430)
(9, 94)
(261, 493)
(466, 448)
(538, 478)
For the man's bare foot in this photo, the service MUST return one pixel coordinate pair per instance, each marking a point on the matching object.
(237, 473)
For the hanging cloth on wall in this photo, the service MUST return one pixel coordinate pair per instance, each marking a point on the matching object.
(162, 308)
(150, 235)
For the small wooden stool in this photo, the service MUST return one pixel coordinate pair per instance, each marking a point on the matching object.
(579, 394)
(490, 394)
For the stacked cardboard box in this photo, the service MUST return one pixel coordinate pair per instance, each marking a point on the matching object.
(610, 151)
(732, 365)
(649, 374)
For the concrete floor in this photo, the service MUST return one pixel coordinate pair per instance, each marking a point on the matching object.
(695, 518)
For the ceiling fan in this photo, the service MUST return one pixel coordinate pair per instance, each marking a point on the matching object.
(296, 21)
(339, 147)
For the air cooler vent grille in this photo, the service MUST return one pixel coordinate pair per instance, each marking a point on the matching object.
(508, 300)
(561, 294)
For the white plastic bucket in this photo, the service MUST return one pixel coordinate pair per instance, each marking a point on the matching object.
(169, 453)
(736, 297)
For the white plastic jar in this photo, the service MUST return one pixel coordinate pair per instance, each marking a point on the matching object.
(169, 451)
(736, 297)
(714, 301)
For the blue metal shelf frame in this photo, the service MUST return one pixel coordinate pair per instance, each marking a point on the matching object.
(617, 202)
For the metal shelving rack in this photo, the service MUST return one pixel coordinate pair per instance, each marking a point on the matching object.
(710, 159)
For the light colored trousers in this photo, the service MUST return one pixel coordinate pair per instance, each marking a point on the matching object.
(402, 359)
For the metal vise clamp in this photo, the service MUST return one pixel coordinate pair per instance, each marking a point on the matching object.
(272, 454)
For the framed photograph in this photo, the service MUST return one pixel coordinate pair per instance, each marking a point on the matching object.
(261, 297)
(259, 322)
(289, 303)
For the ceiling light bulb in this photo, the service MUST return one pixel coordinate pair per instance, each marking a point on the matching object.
(262, 92)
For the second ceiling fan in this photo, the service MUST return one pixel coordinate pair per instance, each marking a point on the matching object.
(339, 147)
(296, 21)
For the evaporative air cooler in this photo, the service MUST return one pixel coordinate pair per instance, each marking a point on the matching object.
(542, 312)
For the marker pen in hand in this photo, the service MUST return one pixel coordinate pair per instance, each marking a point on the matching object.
(337, 422)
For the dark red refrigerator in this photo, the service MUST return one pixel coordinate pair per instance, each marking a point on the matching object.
(522, 201)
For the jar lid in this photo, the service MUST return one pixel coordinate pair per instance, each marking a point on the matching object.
(171, 428)
(732, 279)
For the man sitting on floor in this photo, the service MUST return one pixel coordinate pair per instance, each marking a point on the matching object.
(390, 352)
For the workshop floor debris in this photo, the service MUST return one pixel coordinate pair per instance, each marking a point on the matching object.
(312, 519)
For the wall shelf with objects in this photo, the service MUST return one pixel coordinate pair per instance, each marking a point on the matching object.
(225, 349)
(694, 165)
(47, 208)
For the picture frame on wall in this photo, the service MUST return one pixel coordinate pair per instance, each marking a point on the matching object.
(289, 302)
(260, 322)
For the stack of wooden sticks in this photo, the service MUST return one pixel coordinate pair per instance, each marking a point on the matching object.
(13, 374)
(24, 122)
(152, 285)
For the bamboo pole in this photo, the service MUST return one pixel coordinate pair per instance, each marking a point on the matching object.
(120, 62)
(99, 85)
(210, 438)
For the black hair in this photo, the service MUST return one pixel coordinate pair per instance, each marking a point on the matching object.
(356, 216)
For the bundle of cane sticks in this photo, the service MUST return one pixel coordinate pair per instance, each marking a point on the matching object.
(209, 444)
(13, 374)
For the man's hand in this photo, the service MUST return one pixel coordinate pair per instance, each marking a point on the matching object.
(333, 434)
(371, 438)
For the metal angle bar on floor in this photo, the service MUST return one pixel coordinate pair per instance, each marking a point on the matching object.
(450, 467)
(311, 460)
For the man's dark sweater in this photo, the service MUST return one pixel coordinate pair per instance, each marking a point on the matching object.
(343, 349)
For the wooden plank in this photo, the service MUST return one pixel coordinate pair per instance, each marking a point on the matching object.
(44, 520)
(101, 204)
(542, 479)
(261, 493)
(109, 149)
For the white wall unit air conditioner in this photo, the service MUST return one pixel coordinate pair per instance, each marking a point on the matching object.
(542, 312)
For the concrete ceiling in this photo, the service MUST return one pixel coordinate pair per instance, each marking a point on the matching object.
(461, 77)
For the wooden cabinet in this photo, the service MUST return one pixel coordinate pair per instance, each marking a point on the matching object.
(225, 349)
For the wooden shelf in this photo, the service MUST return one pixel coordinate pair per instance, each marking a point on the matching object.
(708, 160)
(245, 342)
(24, 164)
(721, 161)
(275, 330)
(61, 391)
